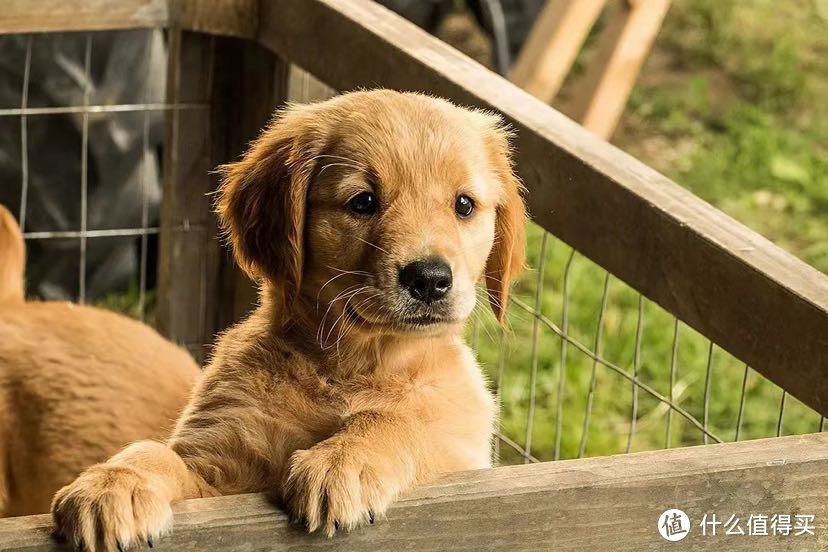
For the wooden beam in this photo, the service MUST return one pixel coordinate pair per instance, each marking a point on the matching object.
(33, 16)
(611, 503)
(755, 300)
(599, 96)
(223, 17)
(238, 18)
(553, 45)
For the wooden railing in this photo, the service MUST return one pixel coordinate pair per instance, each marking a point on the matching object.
(610, 503)
(744, 293)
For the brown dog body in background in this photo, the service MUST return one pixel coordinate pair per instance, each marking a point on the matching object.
(77, 384)
(369, 220)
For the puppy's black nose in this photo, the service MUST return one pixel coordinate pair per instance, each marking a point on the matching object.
(427, 280)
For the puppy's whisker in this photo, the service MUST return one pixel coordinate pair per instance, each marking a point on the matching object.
(342, 273)
(344, 322)
(492, 277)
(345, 328)
(487, 295)
(358, 272)
(349, 290)
(478, 322)
(341, 158)
(375, 246)
(321, 289)
(329, 165)
(480, 312)
(344, 310)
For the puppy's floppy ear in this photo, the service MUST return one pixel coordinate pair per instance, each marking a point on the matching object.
(262, 197)
(506, 260)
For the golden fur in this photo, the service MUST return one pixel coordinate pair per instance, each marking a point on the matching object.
(76, 385)
(328, 396)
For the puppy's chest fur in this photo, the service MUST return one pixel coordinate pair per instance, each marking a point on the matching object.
(316, 395)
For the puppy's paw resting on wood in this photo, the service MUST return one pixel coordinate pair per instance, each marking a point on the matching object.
(120, 505)
(336, 485)
(369, 222)
(124, 502)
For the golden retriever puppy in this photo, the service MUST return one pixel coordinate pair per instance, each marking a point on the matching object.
(369, 220)
(77, 384)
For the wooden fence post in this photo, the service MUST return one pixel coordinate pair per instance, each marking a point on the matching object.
(200, 290)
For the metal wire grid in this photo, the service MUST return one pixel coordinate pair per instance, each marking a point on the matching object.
(499, 364)
(147, 108)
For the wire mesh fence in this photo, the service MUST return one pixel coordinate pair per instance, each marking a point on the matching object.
(590, 367)
(586, 367)
(83, 119)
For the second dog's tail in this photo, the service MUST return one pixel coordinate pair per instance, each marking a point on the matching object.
(12, 258)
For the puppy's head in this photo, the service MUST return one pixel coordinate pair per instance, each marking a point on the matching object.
(382, 210)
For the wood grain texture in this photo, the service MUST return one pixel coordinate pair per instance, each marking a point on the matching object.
(249, 83)
(223, 17)
(600, 95)
(189, 253)
(27, 16)
(553, 45)
(610, 503)
(755, 300)
(238, 18)
(201, 291)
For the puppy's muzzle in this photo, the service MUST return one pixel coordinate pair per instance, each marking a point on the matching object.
(427, 280)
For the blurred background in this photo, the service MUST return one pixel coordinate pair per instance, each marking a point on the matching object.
(730, 100)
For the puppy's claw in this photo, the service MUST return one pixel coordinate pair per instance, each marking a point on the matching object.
(120, 547)
(149, 542)
(300, 521)
(336, 525)
(371, 517)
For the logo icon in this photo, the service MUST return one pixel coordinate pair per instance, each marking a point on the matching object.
(673, 524)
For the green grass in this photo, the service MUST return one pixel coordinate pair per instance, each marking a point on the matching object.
(609, 428)
(733, 104)
(735, 108)
(128, 302)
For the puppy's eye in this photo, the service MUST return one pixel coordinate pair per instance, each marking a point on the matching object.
(464, 206)
(363, 204)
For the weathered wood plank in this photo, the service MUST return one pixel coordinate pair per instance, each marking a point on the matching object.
(30, 16)
(601, 93)
(553, 45)
(222, 17)
(188, 249)
(238, 18)
(201, 291)
(249, 83)
(611, 503)
(755, 300)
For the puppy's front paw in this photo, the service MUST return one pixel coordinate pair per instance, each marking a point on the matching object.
(110, 508)
(331, 488)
